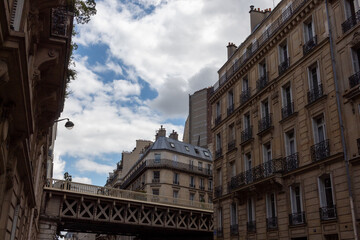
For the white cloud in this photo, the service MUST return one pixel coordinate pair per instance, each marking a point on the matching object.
(85, 165)
(85, 180)
(58, 167)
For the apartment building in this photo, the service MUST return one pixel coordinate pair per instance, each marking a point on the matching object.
(35, 38)
(128, 159)
(285, 125)
(172, 168)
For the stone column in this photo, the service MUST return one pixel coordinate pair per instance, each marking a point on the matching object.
(47, 230)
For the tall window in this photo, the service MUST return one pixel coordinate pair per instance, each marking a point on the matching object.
(351, 7)
(262, 69)
(251, 210)
(314, 79)
(233, 214)
(210, 187)
(232, 169)
(319, 129)
(283, 52)
(230, 99)
(265, 111)
(176, 178)
(290, 145)
(192, 181)
(156, 176)
(192, 197)
(191, 164)
(326, 192)
(356, 59)
(202, 184)
(267, 158)
(200, 166)
(248, 167)
(296, 201)
(247, 121)
(286, 95)
(157, 157)
(175, 194)
(155, 191)
(218, 142)
(219, 218)
(308, 30)
(245, 84)
(271, 205)
(218, 109)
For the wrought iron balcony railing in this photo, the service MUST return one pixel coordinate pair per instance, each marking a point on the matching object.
(234, 229)
(218, 120)
(219, 232)
(287, 110)
(230, 109)
(257, 173)
(262, 82)
(155, 180)
(351, 22)
(328, 213)
(284, 66)
(271, 223)
(354, 80)
(218, 191)
(245, 95)
(192, 185)
(164, 163)
(315, 93)
(291, 162)
(202, 187)
(251, 226)
(246, 134)
(231, 145)
(218, 153)
(297, 218)
(309, 45)
(265, 123)
(60, 22)
(270, 32)
(320, 151)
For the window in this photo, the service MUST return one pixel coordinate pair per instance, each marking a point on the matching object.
(267, 158)
(296, 203)
(219, 217)
(156, 178)
(251, 210)
(175, 158)
(17, 14)
(197, 150)
(355, 52)
(248, 168)
(231, 99)
(175, 194)
(319, 129)
(351, 7)
(219, 178)
(271, 205)
(176, 178)
(265, 112)
(327, 203)
(245, 84)
(218, 109)
(290, 146)
(232, 169)
(155, 191)
(200, 166)
(231, 135)
(210, 199)
(192, 197)
(233, 214)
(262, 69)
(247, 121)
(202, 186)
(218, 143)
(308, 30)
(314, 79)
(192, 181)
(209, 169)
(201, 198)
(191, 164)
(283, 52)
(210, 187)
(157, 157)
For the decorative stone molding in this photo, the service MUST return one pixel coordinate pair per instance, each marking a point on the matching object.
(356, 39)
(4, 73)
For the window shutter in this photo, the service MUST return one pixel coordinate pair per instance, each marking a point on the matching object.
(16, 14)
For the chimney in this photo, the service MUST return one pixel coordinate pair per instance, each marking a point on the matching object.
(174, 135)
(257, 16)
(231, 48)
(160, 133)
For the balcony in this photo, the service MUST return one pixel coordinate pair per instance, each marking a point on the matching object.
(265, 123)
(60, 22)
(234, 229)
(262, 82)
(309, 45)
(297, 218)
(155, 180)
(218, 120)
(230, 109)
(354, 80)
(328, 213)
(192, 185)
(284, 66)
(246, 135)
(272, 223)
(202, 187)
(287, 110)
(218, 191)
(291, 162)
(320, 151)
(218, 153)
(351, 22)
(257, 173)
(231, 145)
(176, 182)
(251, 226)
(219, 232)
(315, 93)
(245, 96)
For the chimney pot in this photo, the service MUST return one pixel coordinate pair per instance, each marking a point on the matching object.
(251, 7)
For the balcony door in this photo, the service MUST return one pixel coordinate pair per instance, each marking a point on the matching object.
(248, 167)
(265, 110)
(351, 6)
(246, 121)
(290, 143)
(319, 129)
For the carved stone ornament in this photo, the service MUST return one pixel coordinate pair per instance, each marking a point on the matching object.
(356, 39)
(4, 73)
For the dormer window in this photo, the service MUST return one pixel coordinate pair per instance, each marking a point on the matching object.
(172, 145)
(197, 151)
(206, 153)
(187, 148)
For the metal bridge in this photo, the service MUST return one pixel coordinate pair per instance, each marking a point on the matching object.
(77, 207)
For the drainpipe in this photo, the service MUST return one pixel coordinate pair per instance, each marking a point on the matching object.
(341, 124)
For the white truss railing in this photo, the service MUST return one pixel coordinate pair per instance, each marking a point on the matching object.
(68, 186)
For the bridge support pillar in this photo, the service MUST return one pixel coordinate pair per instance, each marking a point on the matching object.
(48, 229)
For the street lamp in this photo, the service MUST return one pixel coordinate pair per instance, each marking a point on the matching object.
(69, 124)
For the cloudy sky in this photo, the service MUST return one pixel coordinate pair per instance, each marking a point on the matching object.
(137, 62)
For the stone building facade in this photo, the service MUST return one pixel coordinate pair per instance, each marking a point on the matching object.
(172, 168)
(35, 38)
(286, 132)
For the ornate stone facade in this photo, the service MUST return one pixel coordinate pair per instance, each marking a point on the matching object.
(287, 158)
(33, 75)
